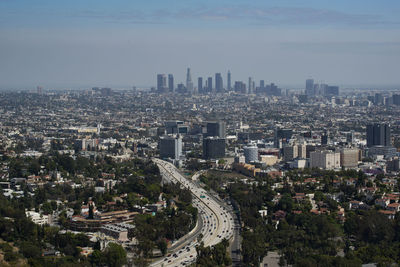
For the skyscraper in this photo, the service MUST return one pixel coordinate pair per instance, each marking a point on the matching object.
(310, 87)
(170, 82)
(161, 82)
(213, 147)
(170, 147)
(216, 128)
(189, 83)
(378, 134)
(200, 85)
(218, 83)
(229, 81)
(209, 84)
(250, 86)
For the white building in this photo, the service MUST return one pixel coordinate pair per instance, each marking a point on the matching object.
(325, 159)
(38, 218)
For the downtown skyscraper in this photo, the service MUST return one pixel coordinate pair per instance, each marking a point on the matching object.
(219, 87)
(229, 83)
(189, 83)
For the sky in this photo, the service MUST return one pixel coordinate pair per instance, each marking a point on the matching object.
(124, 43)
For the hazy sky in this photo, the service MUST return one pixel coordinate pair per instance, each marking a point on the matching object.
(117, 43)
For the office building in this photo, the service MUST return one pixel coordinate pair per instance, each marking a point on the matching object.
(325, 160)
(170, 147)
(378, 134)
(302, 151)
(161, 82)
(325, 138)
(172, 127)
(250, 153)
(213, 147)
(171, 82)
(349, 157)
(200, 85)
(189, 83)
(250, 86)
(209, 85)
(378, 99)
(290, 153)
(310, 87)
(240, 87)
(229, 81)
(384, 151)
(396, 99)
(282, 136)
(330, 90)
(216, 128)
(218, 83)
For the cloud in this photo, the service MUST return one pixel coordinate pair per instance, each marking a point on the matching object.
(284, 16)
(252, 15)
(345, 47)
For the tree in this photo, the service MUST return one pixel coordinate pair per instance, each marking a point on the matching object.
(96, 258)
(115, 255)
(90, 211)
(162, 245)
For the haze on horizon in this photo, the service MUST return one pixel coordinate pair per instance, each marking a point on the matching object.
(124, 43)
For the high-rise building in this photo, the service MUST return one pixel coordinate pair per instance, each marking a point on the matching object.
(213, 147)
(209, 85)
(349, 157)
(170, 147)
(161, 82)
(325, 138)
(378, 99)
(396, 99)
(229, 81)
(171, 82)
(216, 128)
(282, 136)
(262, 84)
(218, 83)
(302, 151)
(200, 85)
(240, 87)
(329, 90)
(250, 86)
(325, 160)
(250, 153)
(378, 134)
(290, 153)
(189, 83)
(310, 87)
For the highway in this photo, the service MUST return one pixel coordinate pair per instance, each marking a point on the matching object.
(216, 223)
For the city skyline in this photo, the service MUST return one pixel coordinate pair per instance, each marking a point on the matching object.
(121, 44)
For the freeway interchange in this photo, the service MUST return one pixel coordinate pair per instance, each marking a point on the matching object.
(215, 222)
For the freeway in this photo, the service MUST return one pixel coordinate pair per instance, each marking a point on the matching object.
(216, 222)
